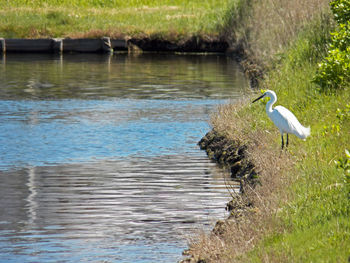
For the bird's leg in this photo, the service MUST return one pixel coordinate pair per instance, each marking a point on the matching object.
(282, 141)
(287, 141)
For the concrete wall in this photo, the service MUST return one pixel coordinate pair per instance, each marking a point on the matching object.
(58, 45)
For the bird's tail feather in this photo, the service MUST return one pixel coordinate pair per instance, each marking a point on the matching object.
(304, 132)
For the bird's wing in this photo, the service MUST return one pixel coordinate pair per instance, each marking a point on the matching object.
(286, 121)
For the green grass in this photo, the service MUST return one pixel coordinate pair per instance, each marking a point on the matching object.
(310, 222)
(82, 18)
(315, 216)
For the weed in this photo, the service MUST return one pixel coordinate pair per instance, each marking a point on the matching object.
(343, 163)
(344, 114)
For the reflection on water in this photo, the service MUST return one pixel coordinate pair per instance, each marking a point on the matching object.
(134, 202)
(98, 156)
(148, 76)
(56, 131)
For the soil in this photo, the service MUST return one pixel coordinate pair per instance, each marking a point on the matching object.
(231, 155)
(193, 44)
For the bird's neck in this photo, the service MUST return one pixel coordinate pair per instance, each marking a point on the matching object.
(269, 105)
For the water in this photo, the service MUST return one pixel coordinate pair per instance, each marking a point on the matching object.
(98, 156)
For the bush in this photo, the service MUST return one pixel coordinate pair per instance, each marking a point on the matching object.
(341, 10)
(334, 71)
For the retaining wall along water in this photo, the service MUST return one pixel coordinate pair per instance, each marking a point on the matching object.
(106, 44)
(58, 45)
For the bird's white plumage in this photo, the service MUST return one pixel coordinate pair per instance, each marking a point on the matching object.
(288, 123)
(284, 119)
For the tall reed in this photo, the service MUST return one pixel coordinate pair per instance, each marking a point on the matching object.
(269, 27)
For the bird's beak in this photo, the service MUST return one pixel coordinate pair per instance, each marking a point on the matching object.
(258, 98)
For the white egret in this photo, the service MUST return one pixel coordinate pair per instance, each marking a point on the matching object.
(285, 120)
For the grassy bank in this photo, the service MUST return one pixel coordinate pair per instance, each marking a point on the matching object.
(115, 18)
(301, 209)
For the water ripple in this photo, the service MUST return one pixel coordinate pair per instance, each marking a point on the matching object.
(132, 201)
(98, 156)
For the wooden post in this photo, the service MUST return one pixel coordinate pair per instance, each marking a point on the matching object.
(106, 45)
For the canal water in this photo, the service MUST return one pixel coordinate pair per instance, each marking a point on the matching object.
(98, 155)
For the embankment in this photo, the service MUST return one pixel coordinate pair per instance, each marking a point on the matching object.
(299, 209)
(232, 155)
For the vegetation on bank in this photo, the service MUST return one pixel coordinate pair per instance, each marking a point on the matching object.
(170, 19)
(301, 210)
(334, 70)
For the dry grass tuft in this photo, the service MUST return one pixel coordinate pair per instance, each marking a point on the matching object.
(270, 26)
(228, 120)
(98, 33)
(284, 19)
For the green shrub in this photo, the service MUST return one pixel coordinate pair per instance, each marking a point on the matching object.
(334, 71)
(341, 10)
